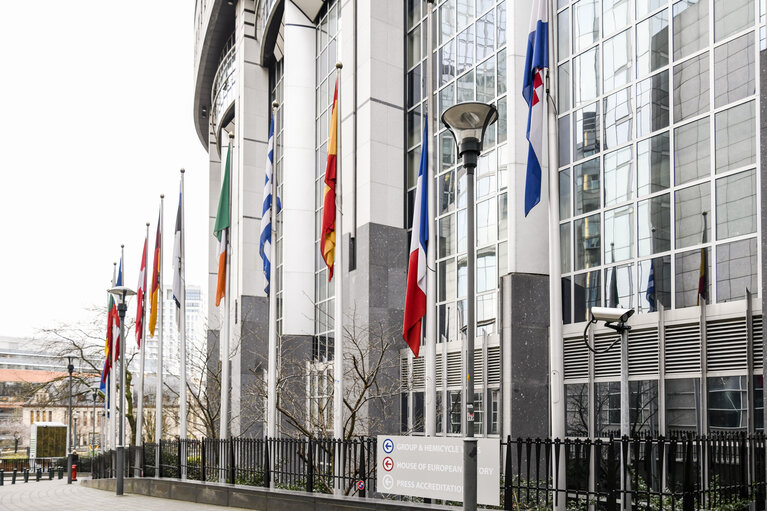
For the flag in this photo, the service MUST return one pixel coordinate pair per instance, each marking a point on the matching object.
(415, 296)
(115, 317)
(155, 278)
(141, 292)
(613, 299)
(328, 231)
(221, 229)
(650, 293)
(536, 60)
(266, 215)
(703, 276)
(178, 257)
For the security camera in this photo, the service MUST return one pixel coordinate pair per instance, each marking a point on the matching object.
(611, 315)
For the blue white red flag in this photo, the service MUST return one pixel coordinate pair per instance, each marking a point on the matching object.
(270, 192)
(650, 293)
(415, 297)
(536, 60)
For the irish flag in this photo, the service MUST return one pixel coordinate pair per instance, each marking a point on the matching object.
(328, 232)
(221, 230)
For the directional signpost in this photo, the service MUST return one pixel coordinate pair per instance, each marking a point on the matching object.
(432, 467)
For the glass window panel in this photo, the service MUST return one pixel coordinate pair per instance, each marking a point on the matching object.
(690, 27)
(736, 205)
(564, 140)
(586, 139)
(577, 410)
(587, 188)
(465, 87)
(418, 411)
(465, 57)
(503, 258)
(683, 406)
(587, 293)
(691, 151)
(447, 150)
(413, 47)
(487, 222)
(734, 70)
(447, 322)
(486, 174)
(413, 86)
(486, 81)
(586, 76)
(485, 35)
(413, 12)
(731, 16)
(503, 216)
(413, 163)
(585, 24)
(644, 416)
(447, 98)
(654, 219)
(619, 234)
(403, 413)
(691, 87)
(446, 236)
(501, 25)
(563, 101)
(446, 192)
(446, 21)
(653, 164)
(502, 118)
(618, 118)
(447, 280)
(652, 104)
(588, 247)
(461, 280)
(646, 6)
(487, 279)
(454, 413)
(414, 127)
(484, 5)
(619, 176)
(758, 403)
(461, 187)
(564, 246)
(461, 229)
(446, 62)
(501, 71)
(617, 61)
(727, 403)
(654, 283)
(563, 35)
(652, 43)
(689, 221)
(465, 12)
(567, 301)
(736, 270)
(564, 194)
(687, 278)
(735, 137)
(619, 286)
(616, 14)
(503, 159)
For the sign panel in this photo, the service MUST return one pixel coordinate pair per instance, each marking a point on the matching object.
(432, 468)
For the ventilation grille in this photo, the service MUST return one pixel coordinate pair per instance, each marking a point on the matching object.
(403, 374)
(726, 345)
(439, 365)
(454, 368)
(608, 363)
(576, 358)
(643, 351)
(419, 375)
(479, 374)
(758, 348)
(494, 365)
(682, 348)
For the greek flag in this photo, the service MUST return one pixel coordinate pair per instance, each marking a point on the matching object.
(266, 216)
(650, 293)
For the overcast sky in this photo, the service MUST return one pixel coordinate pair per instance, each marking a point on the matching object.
(96, 123)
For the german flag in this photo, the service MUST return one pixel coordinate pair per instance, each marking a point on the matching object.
(328, 233)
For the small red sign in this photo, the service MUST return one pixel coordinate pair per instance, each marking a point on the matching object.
(388, 464)
(360, 485)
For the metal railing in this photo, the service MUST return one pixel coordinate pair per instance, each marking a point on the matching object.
(9, 464)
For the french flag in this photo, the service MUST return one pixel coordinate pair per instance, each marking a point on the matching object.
(536, 60)
(415, 298)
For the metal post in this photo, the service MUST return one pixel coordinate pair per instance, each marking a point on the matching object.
(158, 390)
(121, 308)
(70, 368)
(93, 427)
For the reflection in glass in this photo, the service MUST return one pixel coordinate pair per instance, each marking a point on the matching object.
(461, 230)
(588, 247)
(577, 409)
(503, 258)
(654, 276)
(462, 285)
(486, 174)
(683, 406)
(758, 404)
(563, 36)
(727, 403)
(616, 13)
(689, 205)
(653, 164)
(485, 36)
(736, 270)
(619, 286)
(501, 69)
(618, 118)
(447, 322)
(617, 60)
(586, 186)
(586, 76)
(446, 62)
(654, 219)
(502, 116)
(414, 87)
(413, 47)
(566, 301)
(607, 408)
(465, 87)
(486, 81)
(619, 234)
(487, 222)
(731, 16)
(454, 414)
(563, 101)
(413, 124)
(564, 140)
(465, 57)
(652, 43)
(645, 6)
(446, 236)
(447, 150)
(564, 246)
(690, 27)
(735, 132)
(564, 194)
(736, 205)
(652, 104)
(734, 70)
(585, 24)
(418, 410)
(691, 85)
(586, 139)
(687, 278)
(691, 151)
(447, 276)
(487, 278)
(446, 192)
(446, 21)
(503, 216)
(619, 176)
(501, 25)
(465, 12)
(643, 407)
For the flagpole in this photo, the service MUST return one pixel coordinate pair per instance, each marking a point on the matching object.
(140, 414)
(158, 391)
(113, 381)
(271, 413)
(338, 272)
(182, 336)
(224, 338)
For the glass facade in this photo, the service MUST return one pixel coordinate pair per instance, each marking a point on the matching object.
(277, 94)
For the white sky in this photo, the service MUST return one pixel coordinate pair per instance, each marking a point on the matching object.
(96, 123)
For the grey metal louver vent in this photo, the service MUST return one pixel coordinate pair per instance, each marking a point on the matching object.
(493, 365)
(576, 358)
(643, 351)
(419, 373)
(440, 363)
(479, 375)
(608, 363)
(726, 344)
(404, 374)
(758, 347)
(454, 369)
(683, 348)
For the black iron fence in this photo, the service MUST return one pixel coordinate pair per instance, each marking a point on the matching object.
(19, 464)
(718, 472)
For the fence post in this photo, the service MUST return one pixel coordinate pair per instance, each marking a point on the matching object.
(611, 474)
(310, 468)
(231, 461)
(744, 466)
(178, 463)
(203, 478)
(267, 471)
(13, 477)
(507, 477)
(688, 503)
(2, 477)
(363, 467)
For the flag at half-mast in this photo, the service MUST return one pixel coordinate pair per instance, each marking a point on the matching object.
(178, 257)
(536, 60)
(328, 230)
(271, 194)
(415, 296)
(141, 297)
(108, 341)
(221, 228)
(155, 291)
(703, 275)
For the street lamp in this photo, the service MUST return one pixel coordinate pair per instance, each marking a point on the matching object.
(70, 368)
(121, 293)
(468, 122)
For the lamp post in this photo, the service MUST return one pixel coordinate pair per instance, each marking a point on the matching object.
(468, 122)
(70, 368)
(121, 293)
(93, 426)
(74, 433)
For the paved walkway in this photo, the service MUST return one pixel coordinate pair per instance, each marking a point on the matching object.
(57, 495)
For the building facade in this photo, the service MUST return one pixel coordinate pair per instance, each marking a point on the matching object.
(660, 196)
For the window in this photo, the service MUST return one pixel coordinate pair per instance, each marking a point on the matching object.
(454, 398)
(683, 406)
(727, 403)
(495, 411)
(643, 407)
(577, 410)
(607, 408)
(479, 413)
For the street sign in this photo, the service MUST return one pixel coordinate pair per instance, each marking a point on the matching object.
(432, 467)
(360, 485)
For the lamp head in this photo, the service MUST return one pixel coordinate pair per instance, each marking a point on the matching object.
(468, 122)
(121, 293)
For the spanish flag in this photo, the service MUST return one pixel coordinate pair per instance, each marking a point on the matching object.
(221, 230)
(328, 233)
(155, 277)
